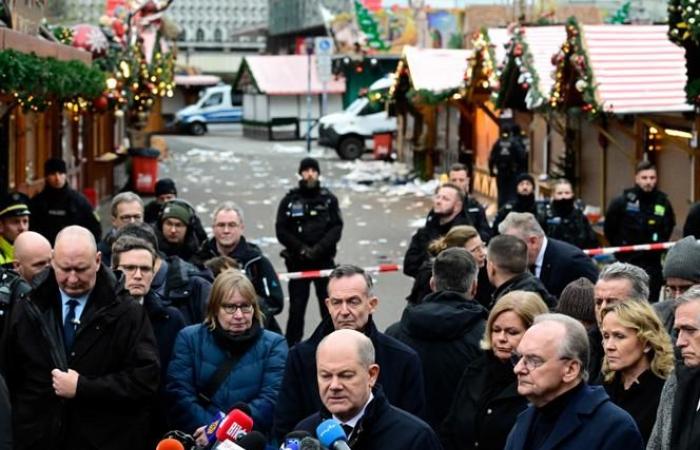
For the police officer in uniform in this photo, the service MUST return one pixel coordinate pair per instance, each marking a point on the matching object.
(524, 202)
(565, 219)
(508, 158)
(309, 226)
(14, 220)
(641, 215)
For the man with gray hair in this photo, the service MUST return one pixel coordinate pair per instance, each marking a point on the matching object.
(228, 240)
(347, 375)
(555, 262)
(126, 208)
(445, 328)
(565, 412)
(677, 424)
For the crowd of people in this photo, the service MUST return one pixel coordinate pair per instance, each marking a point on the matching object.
(511, 337)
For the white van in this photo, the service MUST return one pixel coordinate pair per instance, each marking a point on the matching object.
(348, 131)
(217, 105)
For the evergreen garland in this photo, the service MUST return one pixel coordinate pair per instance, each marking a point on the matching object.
(519, 67)
(684, 21)
(427, 97)
(36, 82)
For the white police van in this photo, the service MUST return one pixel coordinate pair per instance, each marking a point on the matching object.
(216, 105)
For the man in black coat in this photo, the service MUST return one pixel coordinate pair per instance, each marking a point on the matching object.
(459, 176)
(228, 240)
(524, 201)
(58, 205)
(351, 304)
(347, 379)
(176, 232)
(126, 207)
(80, 356)
(554, 262)
(445, 329)
(447, 212)
(506, 266)
(309, 226)
(5, 417)
(508, 158)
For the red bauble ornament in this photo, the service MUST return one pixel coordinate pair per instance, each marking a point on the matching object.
(90, 38)
(101, 103)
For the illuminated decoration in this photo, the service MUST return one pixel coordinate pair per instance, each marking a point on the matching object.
(684, 30)
(574, 84)
(481, 76)
(653, 139)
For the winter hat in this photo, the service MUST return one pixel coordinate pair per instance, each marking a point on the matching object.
(577, 301)
(53, 165)
(309, 163)
(524, 176)
(176, 211)
(14, 204)
(165, 186)
(683, 260)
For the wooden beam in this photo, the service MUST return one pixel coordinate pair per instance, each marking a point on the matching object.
(489, 113)
(614, 141)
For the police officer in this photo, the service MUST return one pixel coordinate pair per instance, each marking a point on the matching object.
(641, 215)
(14, 219)
(524, 202)
(309, 226)
(508, 158)
(565, 219)
(459, 176)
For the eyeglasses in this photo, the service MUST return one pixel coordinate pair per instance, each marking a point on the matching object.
(230, 308)
(530, 362)
(131, 269)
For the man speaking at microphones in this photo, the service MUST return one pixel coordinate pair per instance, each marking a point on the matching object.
(80, 356)
(347, 382)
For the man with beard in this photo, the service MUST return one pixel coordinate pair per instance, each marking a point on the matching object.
(309, 226)
(524, 202)
(447, 212)
(641, 215)
(58, 205)
(565, 219)
(459, 176)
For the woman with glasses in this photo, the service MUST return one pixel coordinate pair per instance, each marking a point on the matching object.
(226, 360)
(464, 236)
(638, 359)
(486, 402)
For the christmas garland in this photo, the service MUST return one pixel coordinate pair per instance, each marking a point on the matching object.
(573, 78)
(36, 81)
(684, 21)
(427, 97)
(520, 59)
(481, 74)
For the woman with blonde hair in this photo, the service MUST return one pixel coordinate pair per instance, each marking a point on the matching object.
(638, 359)
(487, 402)
(227, 359)
(464, 236)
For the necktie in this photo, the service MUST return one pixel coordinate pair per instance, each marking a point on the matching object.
(68, 325)
(347, 429)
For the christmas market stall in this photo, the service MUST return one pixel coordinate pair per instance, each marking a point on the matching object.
(426, 86)
(619, 98)
(274, 95)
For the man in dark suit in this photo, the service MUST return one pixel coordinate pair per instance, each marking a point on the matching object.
(554, 262)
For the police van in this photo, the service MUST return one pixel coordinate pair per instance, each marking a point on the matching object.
(216, 105)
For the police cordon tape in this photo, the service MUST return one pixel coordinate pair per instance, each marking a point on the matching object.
(310, 274)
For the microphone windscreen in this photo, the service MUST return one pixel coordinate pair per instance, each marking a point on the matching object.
(243, 406)
(235, 424)
(292, 441)
(254, 440)
(330, 431)
(309, 443)
(170, 444)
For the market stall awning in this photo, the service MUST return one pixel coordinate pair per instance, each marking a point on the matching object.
(636, 68)
(436, 70)
(543, 43)
(197, 80)
(285, 75)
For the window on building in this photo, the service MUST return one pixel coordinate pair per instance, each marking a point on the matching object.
(218, 35)
(200, 35)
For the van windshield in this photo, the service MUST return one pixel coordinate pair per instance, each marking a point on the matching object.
(357, 105)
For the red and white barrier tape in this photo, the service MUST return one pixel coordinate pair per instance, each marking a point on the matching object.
(308, 274)
(629, 248)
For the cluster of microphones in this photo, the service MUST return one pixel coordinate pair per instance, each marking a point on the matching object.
(234, 431)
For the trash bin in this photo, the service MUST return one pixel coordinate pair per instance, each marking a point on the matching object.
(144, 169)
(382, 145)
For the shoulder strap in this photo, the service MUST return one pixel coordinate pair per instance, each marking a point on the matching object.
(214, 383)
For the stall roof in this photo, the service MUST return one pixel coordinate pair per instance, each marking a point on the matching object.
(197, 80)
(543, 42)
(499, 38)
(286, 75)
(436, 70)
(636, 68)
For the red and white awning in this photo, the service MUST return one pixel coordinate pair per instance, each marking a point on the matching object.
(287, 75)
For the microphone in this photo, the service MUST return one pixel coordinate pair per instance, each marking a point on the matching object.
(332, 435)
(183, 438)
(309, 443)
(235, 425)
(210, 430)
(292, 441)
(170, 444)
(254, 440)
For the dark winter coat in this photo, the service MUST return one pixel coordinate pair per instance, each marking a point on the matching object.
(167, 321)
(255, 379)
(184, 286)
(525, 282)
(421, 286)
(54, 209)
(445, 330)
(522, 204)
(590, 421)
(485, 406)
(564, 263)
(569, 225)
(151, 216)
(115, 354)
(259, 271)
(309, 225)
(692, 222)
(477, 215)
(5, 417)
(400, 375)
(382, 427)
(417, 252)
